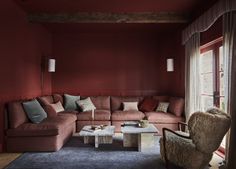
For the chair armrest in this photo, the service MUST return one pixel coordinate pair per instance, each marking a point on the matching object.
(164, 130)
(181, 124)
(169, 130)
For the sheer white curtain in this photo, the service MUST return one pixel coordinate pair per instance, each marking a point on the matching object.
(229, 46)
(192, 75)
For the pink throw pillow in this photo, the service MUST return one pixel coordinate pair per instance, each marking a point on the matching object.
(176, 106)
(58, 107)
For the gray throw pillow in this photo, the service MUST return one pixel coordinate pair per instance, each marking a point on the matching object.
(34, 111)
(70, 102)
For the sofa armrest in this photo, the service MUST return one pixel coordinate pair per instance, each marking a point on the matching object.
(164, 130)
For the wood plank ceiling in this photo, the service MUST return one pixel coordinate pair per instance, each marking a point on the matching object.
(113, 11)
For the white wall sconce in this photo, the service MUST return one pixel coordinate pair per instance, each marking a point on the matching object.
(170, 65)
(51, 65)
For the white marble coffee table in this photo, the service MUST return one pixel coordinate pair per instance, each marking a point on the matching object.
(143, 138)
(98, 137)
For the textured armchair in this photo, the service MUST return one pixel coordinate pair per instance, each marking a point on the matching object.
(194, 150)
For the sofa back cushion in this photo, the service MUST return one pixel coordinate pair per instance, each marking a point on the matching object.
(161, 98)
(176, 106)
(44, 100)
(117, 101)
(148, 104)
(101, 102)
(50, 110)
(58, 98)
(16, 114)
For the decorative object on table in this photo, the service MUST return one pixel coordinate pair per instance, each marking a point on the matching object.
(143, 123)
(98, 127)
(130, 123)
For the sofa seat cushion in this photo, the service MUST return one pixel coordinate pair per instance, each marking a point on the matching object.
(68, 112)
(161, 117)
(48, 127)
(44, 100)
(98, 115)
(127, 115)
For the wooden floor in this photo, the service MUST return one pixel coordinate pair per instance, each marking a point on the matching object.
(6, 158)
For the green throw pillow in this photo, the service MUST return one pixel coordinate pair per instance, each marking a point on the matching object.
(34, 111)
(70, 102)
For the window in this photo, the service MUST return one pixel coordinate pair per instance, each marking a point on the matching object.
(212, 75)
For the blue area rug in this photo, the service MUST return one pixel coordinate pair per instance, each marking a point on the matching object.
(76, 155)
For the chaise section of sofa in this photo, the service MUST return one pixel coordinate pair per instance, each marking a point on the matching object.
(49, 135)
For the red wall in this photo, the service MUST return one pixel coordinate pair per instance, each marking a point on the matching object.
(124, 63)
(22, 46)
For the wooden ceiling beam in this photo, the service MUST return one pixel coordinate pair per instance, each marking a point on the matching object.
(98, 17)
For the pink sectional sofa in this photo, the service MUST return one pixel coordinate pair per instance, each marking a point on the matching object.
(56, 129)
(49, 135)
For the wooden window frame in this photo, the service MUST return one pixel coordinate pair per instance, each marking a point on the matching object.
(214, 46)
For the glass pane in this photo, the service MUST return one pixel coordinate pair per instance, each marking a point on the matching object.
(207, 83)
(223, 143)
(221, 59)
(222, 103)
(206, 62)
(222, 84)
(206, 102)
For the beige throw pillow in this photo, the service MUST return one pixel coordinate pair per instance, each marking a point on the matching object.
(86, 104)
(58, 107)
(163, 107)
(130, 106)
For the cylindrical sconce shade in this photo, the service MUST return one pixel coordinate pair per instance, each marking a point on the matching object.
(170, 65)
(51, 65)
